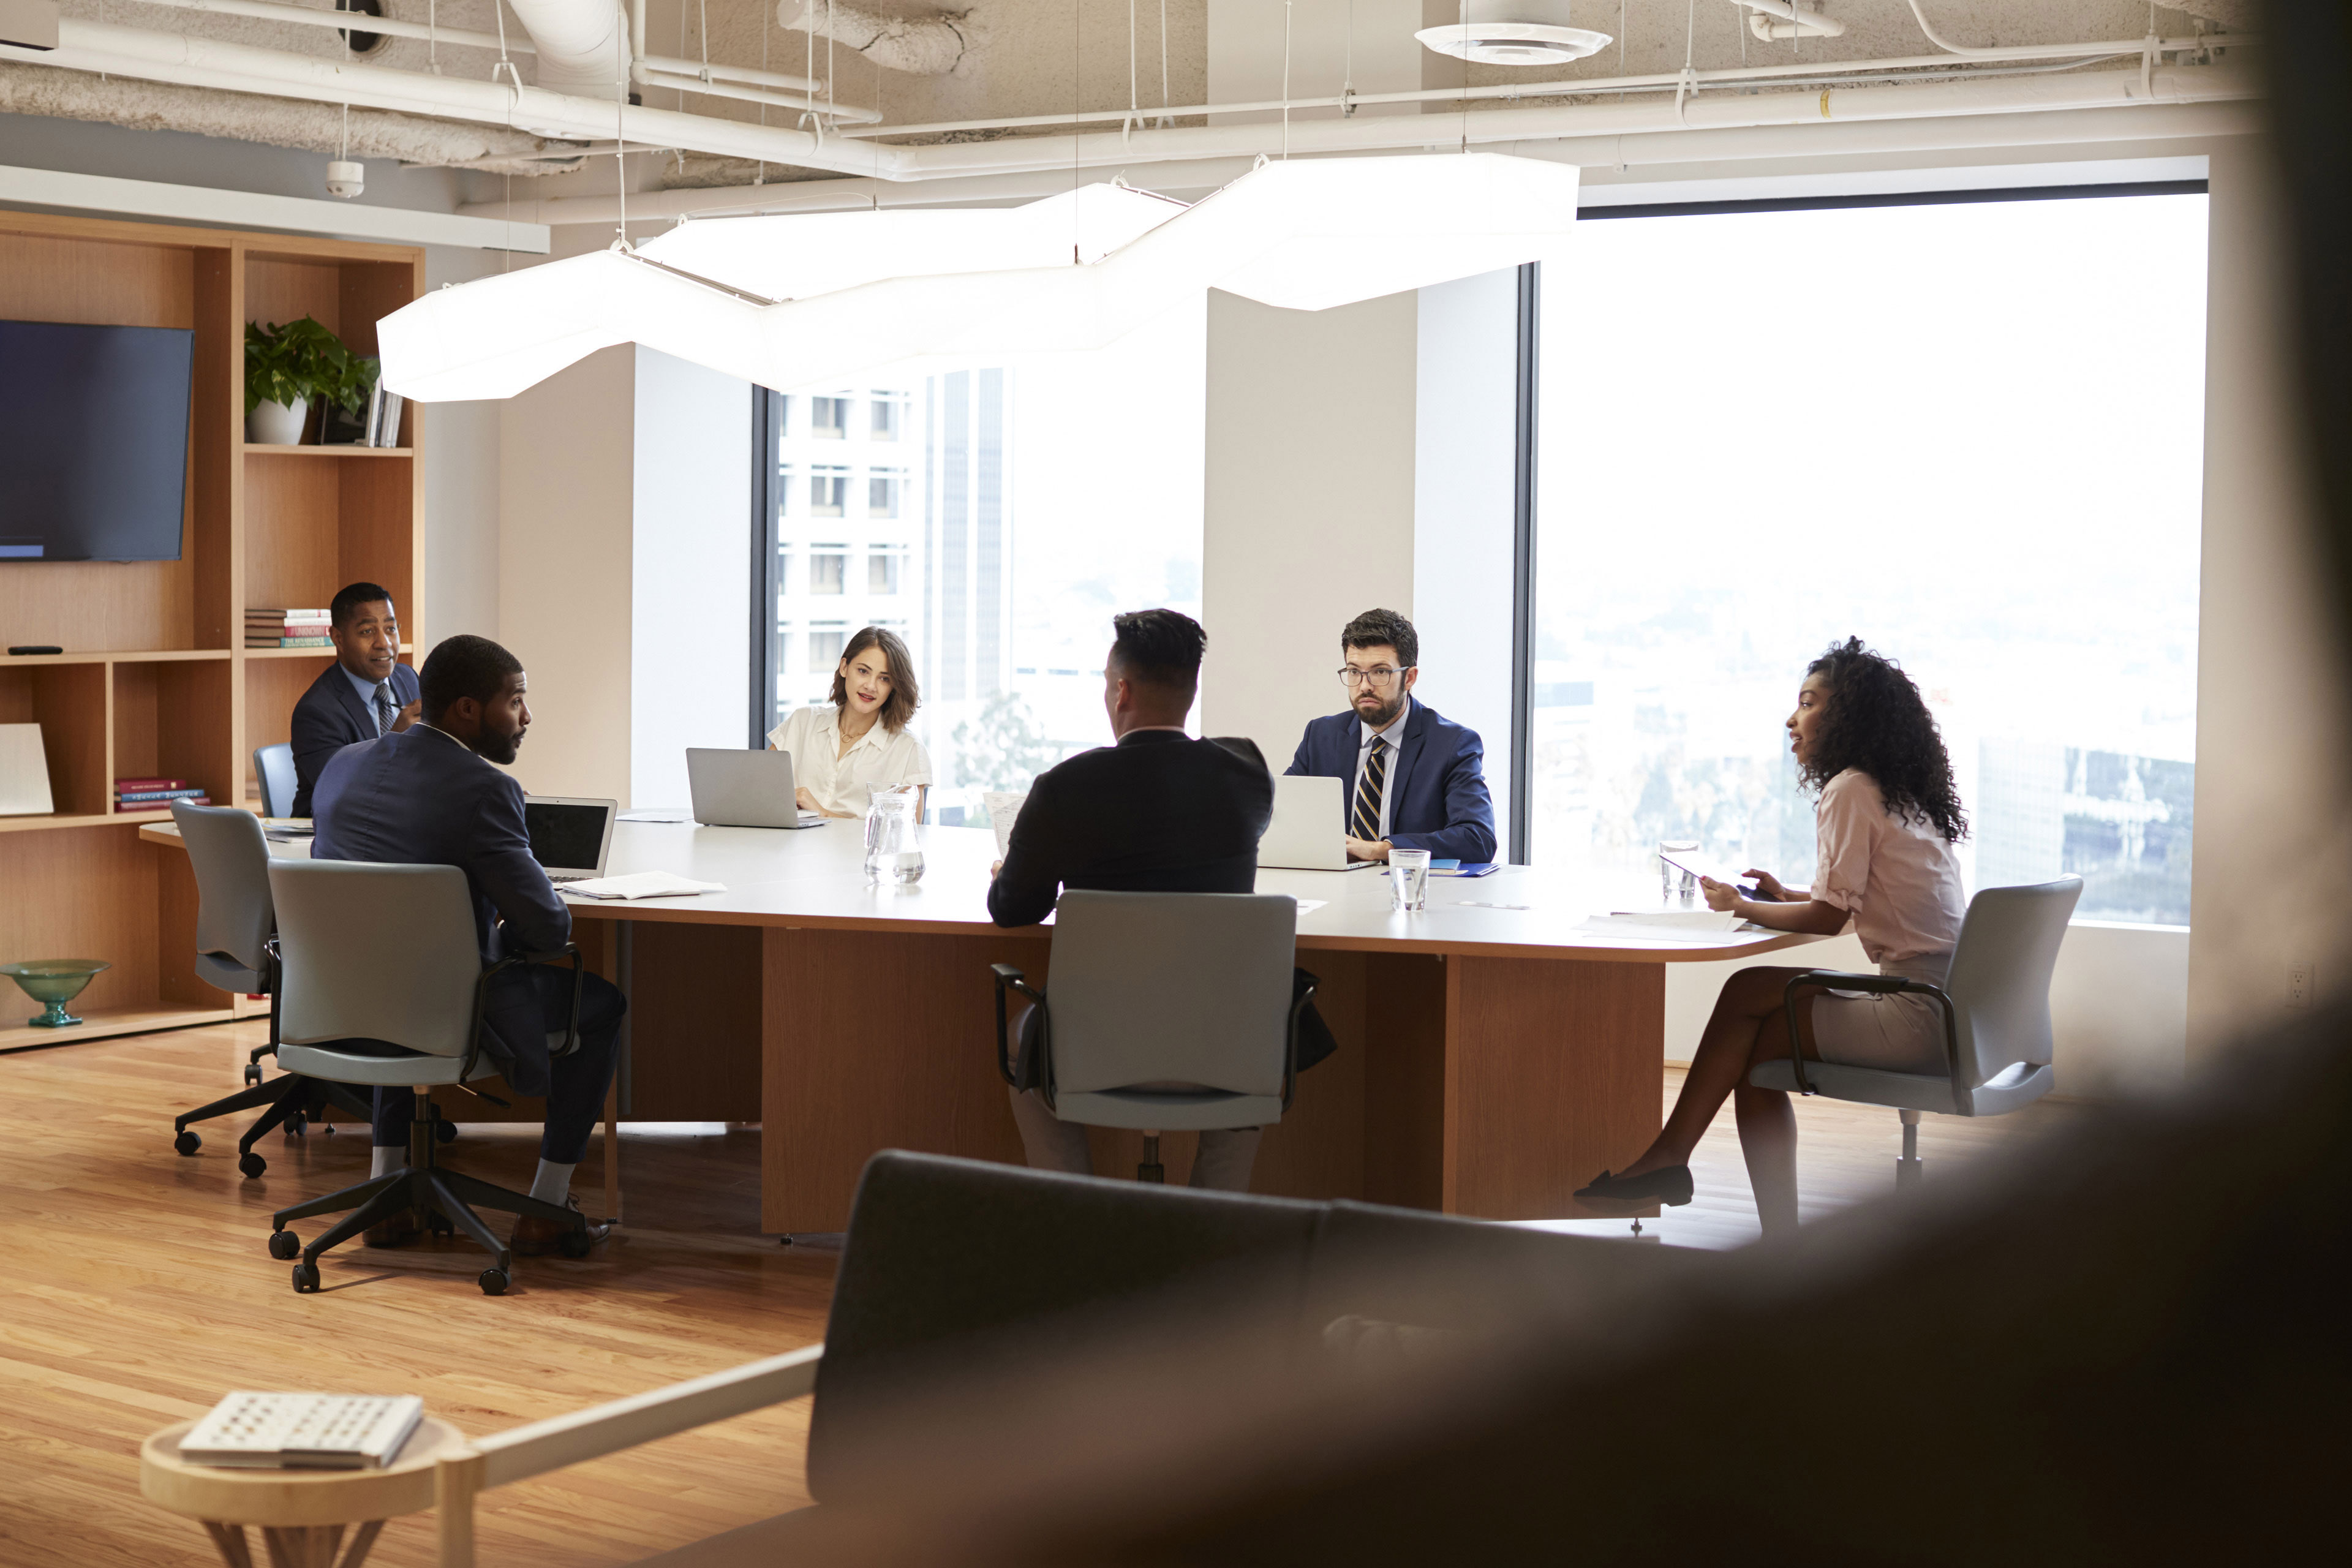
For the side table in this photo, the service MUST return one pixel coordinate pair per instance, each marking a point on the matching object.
(302, 1514)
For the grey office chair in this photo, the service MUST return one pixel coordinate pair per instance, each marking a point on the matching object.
(1168, 1010)
(385, 987)
(1996, 1012)
(235, 923)
(273, 767)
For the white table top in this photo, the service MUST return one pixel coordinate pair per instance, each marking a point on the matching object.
(815, 878)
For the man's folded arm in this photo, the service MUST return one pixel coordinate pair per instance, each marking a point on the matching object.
(536, 921)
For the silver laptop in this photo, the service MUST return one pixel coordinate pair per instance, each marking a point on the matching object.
(570, 837)
(745, 789)
(1306, 835)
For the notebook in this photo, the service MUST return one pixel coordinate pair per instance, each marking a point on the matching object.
(303, 1431)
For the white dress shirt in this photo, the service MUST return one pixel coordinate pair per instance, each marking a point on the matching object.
(837, 782)
(1367, 738)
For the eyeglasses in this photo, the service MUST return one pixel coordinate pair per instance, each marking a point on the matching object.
(1380, 676)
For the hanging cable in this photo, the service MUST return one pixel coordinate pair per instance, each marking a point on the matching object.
(1165, 117)
(1348, 69)
(702, 25)
(1687, 84)
(1134, 106)
(621, 139)
(432, 36)
(506, 64)
(767, 25)
(1620, 38)
(1285, 80)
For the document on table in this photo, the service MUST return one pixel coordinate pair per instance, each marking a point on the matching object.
(641, 885)
(660, 814)
(1004, 810)
(1309, 906)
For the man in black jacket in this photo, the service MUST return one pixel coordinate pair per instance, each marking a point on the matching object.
(429, 795)
(366, 693)
(1156, 812)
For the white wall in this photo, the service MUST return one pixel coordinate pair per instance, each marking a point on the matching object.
(1464, 472)
(1309, 501)
(564, 609)
(690, 593)
(2271, 810)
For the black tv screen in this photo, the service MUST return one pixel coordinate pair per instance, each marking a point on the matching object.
(94, 441)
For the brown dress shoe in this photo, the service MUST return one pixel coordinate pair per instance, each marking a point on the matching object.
(398, 1231)
(536, 1237)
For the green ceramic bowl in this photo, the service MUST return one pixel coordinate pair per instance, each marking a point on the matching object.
(54, 981)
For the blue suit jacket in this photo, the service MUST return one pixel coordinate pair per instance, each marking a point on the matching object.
(330, 717)
(1437, 794)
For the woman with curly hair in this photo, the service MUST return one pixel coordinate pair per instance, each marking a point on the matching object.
(1886, 823)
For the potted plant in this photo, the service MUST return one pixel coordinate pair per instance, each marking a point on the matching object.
(288, 367)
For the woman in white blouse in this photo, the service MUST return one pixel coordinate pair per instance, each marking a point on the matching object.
(1886, 824)
(861, 738)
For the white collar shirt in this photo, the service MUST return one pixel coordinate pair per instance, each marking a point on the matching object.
(1393, 737)
(837, 779)
(367, 690)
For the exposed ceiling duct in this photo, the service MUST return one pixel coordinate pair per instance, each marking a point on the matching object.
(279, 122)
(940, 45)
(584, 45)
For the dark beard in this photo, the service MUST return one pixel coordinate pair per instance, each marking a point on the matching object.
(500, 751)
(1385, 717)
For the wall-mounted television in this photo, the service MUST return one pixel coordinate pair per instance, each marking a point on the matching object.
(94, 441)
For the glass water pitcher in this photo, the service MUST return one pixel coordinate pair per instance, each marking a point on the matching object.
(894, 852)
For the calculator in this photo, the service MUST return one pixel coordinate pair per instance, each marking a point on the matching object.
(303, 1431)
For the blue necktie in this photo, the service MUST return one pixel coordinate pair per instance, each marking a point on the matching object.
(384, 711)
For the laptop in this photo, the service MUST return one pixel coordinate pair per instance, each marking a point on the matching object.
(1306, 835)
(569, 837)
(745, 789)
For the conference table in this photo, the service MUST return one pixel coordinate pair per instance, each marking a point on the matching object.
(1497, 1050)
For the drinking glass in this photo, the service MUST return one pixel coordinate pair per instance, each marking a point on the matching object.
(894, 852)
(1408, 878)
(1672, 877)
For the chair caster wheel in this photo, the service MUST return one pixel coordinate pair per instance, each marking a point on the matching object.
(296, 1124)
(494, 1282)
(252, 1165)
(284, 1245)
(252, 1074)
(187, 1143)
(306, 1278)
(445, 1131)
(327, 1128)
(572, 1244)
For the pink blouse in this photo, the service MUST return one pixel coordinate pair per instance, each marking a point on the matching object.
(1898, 876)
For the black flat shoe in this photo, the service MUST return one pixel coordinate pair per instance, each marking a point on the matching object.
(1668, 1185)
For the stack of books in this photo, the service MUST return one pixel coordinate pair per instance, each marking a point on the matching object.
(153, 795)
(286, 628)
(383, 428)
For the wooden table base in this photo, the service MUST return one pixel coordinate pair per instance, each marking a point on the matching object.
(296, 1546)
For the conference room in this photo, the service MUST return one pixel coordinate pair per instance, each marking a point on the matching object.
(1087, 730)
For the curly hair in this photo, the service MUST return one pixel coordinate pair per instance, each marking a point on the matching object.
(1877, 723)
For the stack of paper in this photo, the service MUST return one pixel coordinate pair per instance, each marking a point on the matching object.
(642, 885)
(1671, 925)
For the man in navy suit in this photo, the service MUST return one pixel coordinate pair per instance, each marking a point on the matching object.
(365, 693)
(428, 795)
(1413, 777)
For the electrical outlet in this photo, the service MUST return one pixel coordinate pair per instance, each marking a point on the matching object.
(2299, 983)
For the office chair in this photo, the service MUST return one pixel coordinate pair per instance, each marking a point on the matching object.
(1996, 1011)
(1168, 1010)
(273, 767)
(233, 924)
(385, 987)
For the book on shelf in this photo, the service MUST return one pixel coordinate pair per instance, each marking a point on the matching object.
(199, 798)
(121, 784)
(286, 628)
(382, 418)
(320, 641)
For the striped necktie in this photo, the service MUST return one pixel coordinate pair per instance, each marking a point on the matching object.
(1366, 822)
(384, 711)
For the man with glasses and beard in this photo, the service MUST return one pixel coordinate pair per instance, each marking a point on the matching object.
(1413, 777)
(429, 795)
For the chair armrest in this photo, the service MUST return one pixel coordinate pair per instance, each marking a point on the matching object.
(522, 1452)
(1010, 979)
(569, 950)
(1884, 984)
(1298, 1006)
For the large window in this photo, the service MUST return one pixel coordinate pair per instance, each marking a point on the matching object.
(1011, 507)
(1968, 432)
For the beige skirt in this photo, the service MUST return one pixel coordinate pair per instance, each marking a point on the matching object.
(1893, 1033)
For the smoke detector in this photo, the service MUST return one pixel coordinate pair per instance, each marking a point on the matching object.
(1514, 33)
(346, 178)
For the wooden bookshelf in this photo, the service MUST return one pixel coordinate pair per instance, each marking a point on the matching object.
(154, 678)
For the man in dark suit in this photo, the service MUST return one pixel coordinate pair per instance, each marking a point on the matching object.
(1155, 812)
(428, 795)
(367, 693)
(1413, 777)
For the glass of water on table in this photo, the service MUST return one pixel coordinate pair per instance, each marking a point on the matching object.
(1408, 878)
(1674, 878)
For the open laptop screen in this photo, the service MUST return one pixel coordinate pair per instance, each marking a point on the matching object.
(567, 836)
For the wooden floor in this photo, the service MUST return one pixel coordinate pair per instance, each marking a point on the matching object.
(134, 1290)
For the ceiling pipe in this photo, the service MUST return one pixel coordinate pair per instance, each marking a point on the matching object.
(679, 81)
(99, 46)
(303, 17)
(584, 45)
(1795, 22)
